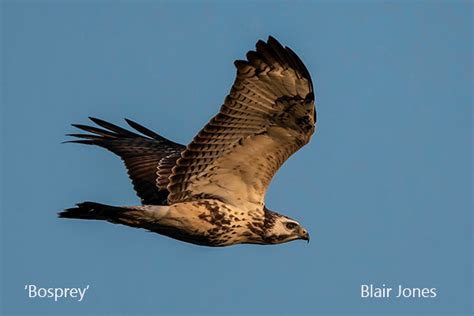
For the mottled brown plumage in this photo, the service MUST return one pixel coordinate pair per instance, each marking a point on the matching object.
(212, 191)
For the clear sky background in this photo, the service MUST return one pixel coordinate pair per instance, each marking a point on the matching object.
(384, 187)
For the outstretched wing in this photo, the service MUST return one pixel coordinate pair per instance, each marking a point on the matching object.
(268, 115)
(149, 158)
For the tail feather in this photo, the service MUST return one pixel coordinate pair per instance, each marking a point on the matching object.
(91, 210)
(134, 216)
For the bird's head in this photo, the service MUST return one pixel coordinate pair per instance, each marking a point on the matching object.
(281, 229)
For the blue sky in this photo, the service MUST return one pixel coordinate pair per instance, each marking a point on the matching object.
(384, 187)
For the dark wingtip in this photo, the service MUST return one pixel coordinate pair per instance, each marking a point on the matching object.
(95, 120)
(272, 39)
(82, 141)
(98, 121)
(260, 45)
(145, 131)
(240, 63)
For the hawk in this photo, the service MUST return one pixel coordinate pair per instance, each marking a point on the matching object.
(211, 192)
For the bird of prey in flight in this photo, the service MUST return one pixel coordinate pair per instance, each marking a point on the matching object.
(211, 192)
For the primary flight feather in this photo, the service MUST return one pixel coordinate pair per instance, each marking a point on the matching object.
(211, 192)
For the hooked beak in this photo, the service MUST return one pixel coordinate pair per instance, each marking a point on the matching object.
(305, 235)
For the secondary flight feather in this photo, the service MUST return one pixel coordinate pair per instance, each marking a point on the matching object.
(212, 191)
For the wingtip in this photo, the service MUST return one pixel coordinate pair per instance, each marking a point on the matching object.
(129, 121)
(271, 39)
(240, 63)
(95, 120)
(260, 43)
(100, 122)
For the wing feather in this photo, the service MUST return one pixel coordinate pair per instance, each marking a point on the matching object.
(149, 158)
(268, 115)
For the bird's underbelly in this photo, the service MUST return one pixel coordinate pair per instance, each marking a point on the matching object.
(205, 222)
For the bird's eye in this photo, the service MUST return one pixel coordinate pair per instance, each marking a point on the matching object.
(291, 225)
